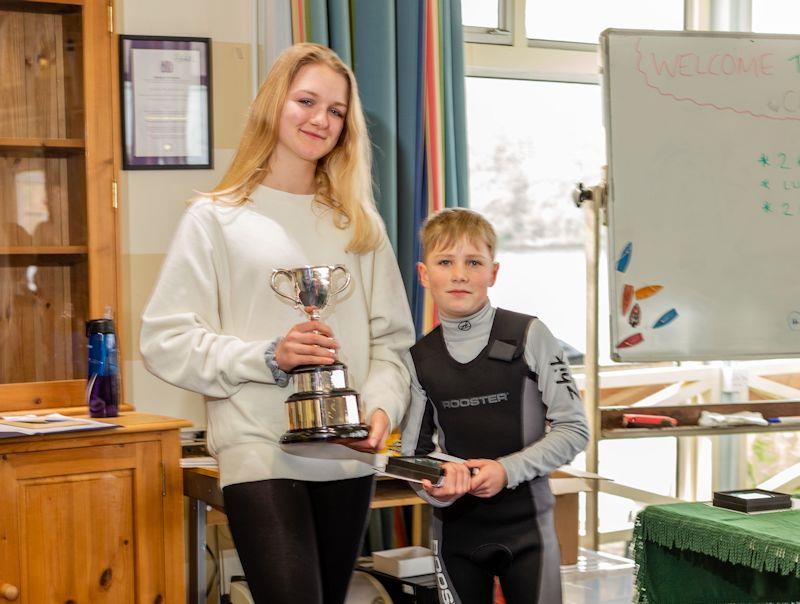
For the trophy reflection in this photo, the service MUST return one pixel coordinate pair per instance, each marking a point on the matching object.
(324, 407)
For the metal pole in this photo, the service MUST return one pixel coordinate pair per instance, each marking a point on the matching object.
(592, 208)
(197, 551)
(717, 15)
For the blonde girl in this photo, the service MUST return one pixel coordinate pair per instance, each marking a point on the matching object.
(298, 192)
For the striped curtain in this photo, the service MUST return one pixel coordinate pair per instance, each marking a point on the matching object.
(408, 57)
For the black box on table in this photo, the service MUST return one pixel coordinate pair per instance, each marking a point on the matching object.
(752, 500)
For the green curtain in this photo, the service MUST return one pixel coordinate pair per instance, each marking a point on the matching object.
(388, 45)
(384, 42)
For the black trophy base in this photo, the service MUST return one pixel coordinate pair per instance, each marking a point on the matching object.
(350, 432)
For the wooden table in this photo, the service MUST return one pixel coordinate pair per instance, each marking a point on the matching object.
(201, 486)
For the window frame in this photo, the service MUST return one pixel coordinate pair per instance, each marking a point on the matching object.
(503, 34)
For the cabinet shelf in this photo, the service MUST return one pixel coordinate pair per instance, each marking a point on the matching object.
(43, 6)
(42, 145)
(43, 250)
(43, 255)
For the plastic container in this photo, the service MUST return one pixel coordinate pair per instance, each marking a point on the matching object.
(102, 386)
(404, 561)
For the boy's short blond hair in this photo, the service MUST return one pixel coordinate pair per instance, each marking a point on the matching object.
(448, 226)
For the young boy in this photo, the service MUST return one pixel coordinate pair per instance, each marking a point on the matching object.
(485, 384)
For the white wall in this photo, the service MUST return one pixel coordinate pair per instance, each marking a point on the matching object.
(151, 201)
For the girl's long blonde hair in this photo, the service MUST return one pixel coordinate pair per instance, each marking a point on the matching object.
(343, 176)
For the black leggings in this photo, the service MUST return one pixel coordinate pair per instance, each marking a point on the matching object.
(298, 540)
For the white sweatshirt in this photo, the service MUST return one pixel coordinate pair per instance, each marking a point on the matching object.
(213, 314)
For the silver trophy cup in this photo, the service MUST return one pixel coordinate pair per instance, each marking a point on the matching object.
(324, 407)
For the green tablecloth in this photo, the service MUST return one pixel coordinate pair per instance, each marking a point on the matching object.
(693, 552)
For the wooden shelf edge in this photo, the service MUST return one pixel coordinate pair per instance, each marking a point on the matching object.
(44, 250)
(619, 433)
(129, 423)
(44, 6)
(66, 2)
(77, 410)
(46, 396)
(54, 144)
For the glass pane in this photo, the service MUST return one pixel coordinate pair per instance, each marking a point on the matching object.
(479, 13)
(583, 20)
(42, 200)
(44, 302)
(43, 266)
(529, 144)
(649, 464)
(776, 16)
(44, 287)
(770, 454)
(42, 93)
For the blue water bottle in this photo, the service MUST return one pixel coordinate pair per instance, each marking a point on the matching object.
(102, 387)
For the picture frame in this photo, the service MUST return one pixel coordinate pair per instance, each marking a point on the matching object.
(165, 97)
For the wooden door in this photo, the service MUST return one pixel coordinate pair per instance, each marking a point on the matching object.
(83, 525)
(58, 247)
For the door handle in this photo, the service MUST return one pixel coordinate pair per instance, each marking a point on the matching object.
(8, 591)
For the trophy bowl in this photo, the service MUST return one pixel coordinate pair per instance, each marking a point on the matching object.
(311, 285)
(323, 407)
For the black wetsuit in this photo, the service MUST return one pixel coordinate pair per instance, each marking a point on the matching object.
(491, 407)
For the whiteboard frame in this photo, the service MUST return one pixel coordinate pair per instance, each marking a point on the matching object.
(606, 96)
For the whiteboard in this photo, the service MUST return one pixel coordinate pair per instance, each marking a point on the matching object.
(703, 142)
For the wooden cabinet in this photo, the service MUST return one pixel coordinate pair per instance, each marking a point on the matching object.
(94, 516)
(58, 235)
(84, 516)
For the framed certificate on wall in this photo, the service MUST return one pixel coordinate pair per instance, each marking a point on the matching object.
(165, 90)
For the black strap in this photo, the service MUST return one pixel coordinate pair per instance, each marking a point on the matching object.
(509, 332)
(504, 351)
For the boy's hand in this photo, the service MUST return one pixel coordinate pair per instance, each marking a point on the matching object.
(309, 343)
(489, 477)
(376, 439)
(455, 484)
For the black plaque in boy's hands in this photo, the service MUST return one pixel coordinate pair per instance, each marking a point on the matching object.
(752, 500)
(416, 467)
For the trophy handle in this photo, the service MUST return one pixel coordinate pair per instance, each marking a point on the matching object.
(343, 268)
(276, 289)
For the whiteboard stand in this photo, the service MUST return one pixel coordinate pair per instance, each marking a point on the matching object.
(591, 367)
(592, 201)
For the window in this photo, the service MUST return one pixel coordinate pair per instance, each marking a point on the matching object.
(480, 13)
(649, 464)
(776, 16)
(583, 20)
(535, 129)
(769, 454)
(487, 21)
(530, 142)
(534, 115)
